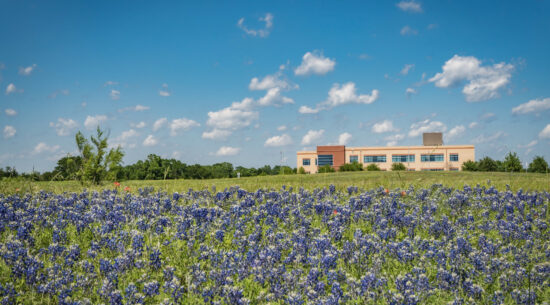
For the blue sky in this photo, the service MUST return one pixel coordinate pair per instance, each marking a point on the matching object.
(242, 82)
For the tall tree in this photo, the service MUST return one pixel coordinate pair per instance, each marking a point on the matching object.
(97, 163)
(512, 163)
(487, 165)
(539, 165)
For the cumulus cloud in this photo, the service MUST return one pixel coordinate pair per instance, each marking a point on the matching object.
(489, 138)
(409, 92)
(273, 97)
(10, 112)
(150, 141)
(342, 95)
(393, 139)
(27, 70)
(408, 31)
(231, 118)
(115, 94)
(183, 124)
(281, 128)
(164, 91)
(315, 63)
(92, 122)
(216, 134)
(410, 6)
(227, 151)
(406, 69)
(138, 125)
(159, 123)
(344, 138)
(43, 147)
(545, 133)
(127, 134)
(136, 108)
(277, 141)
(421, 127)
(473, 125)
(483, 82)
(384, 126)
(11, 89)
(312, 136)
(268, 19)
(533, 106)
(455, 132)
(123, 139)
(275, 80)
(9, 131)
(64, 127)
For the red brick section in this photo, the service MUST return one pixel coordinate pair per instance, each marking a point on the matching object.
(338, 153)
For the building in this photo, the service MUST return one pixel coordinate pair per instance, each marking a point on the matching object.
(431, 156)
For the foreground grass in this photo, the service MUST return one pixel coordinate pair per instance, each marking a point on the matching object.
(364, 180)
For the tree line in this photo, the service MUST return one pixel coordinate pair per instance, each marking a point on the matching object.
(511, 163)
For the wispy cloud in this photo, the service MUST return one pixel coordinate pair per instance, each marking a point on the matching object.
(267, 19)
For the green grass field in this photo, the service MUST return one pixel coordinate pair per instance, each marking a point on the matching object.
(364, 180)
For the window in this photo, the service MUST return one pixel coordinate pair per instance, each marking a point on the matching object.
(411, 169)
(453, 157)
(306, 161)
(374, 159)
(315, 161)
(353, 159)
(432, 158)
(454, 169)
(325, 160)
(402, 158)
(432, 169)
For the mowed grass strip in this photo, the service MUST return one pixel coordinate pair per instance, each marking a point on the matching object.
(341, 180)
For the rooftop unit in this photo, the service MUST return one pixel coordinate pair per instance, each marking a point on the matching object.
(432, 139)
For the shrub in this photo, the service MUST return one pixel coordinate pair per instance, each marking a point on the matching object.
(487, 165)
(398, 167)
(512, 163)
(301, 171)
(351, 167)
(326, 169)
(470, 166)
(373, 167)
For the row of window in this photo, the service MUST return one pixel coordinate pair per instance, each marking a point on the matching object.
(328, 159)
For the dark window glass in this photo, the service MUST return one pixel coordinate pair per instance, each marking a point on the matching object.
(432, 158)
(325, 160)
(306, 162)
(374, 159)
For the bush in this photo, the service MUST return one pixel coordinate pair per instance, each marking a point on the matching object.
(512, 163)
(487, 165)
(301, 171)
(351, 167)
(470, 166)
(326, 169)
(539, 165)
(398, 167)
(373, 167)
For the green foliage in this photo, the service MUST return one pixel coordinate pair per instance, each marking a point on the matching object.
(351, 167)
(398, 167)
(67, 168)
(512, 163)
(487, 165)
(326, 169)
(301, 171)
(470, 166)
(97, 164)
(8, 172)
(373, 167)
(538, 165)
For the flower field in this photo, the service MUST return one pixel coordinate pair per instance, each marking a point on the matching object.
(434, 245)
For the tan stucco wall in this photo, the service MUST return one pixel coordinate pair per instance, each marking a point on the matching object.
(311, 155)
(465, 153)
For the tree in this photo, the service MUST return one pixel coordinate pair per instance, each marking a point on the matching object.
(470, 166)
(67, 168)
(398, 167)
(351, 167)
(512, 163)
(487, 165)
(373, 167)
(301, 171)
(539, 165)
(97, 163)
(325, 169)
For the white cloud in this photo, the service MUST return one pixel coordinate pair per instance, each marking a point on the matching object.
(312, 136)
(408, 31)
(10, 112)
(341, 95)
(227, 151)
(150, 141)
(273, 97)
(43, 147)
(135, 108)
(421, 127)
(92, 122)
(27, 70)
(271, 81)
(159, 123)
(536, 105)
(281, 128)
(182, 124)
(127, 134)
(406, 69)
(277, 141)
(63, 127)
(529, 145)
(56, 93)
(122, 140)
(384, 126)
(110, 83)
(545, 133)
(455, 132)
(138, 125)
(9, 131)
(216, 134)
(344, 138)
(164, 92)
(11, 89)
(486, 139)
(393, 139)
(231, 118)
(268, 19)
(315, 63)
(115, 94)
(488, 117)
(410, 6)
(410, 91)
(483, 82)
(473, 125)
